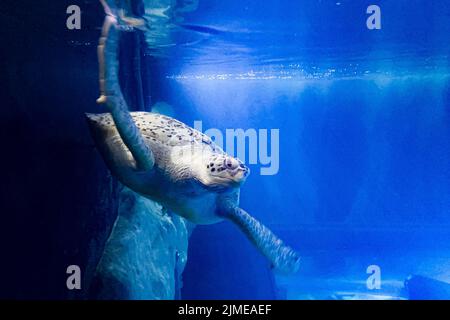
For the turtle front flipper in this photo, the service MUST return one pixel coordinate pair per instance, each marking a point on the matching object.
(282, 257)
(111, 94)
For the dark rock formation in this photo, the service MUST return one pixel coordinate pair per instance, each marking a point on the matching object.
(58, 200)
(145, 253)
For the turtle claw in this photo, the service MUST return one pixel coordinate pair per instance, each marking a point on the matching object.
(122, 21)
(102, 99)
(129, 23)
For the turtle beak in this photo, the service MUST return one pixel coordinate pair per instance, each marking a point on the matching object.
(241, 173)
(245, 171)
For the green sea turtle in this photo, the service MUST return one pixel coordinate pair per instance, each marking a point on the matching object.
(169, 162)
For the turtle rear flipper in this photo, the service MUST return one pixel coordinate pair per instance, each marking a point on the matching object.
(282, 257)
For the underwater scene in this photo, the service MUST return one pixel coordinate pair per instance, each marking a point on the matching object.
(208, 149)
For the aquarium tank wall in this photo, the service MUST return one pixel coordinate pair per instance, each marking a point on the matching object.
(339, 109)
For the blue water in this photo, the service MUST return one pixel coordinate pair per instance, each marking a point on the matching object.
(364, 122)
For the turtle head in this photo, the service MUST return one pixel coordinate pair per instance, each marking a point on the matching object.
(224, 170)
